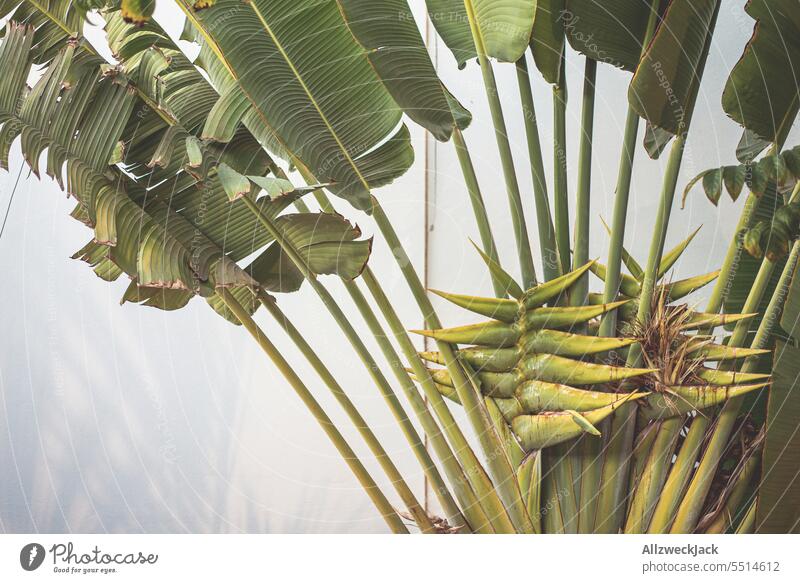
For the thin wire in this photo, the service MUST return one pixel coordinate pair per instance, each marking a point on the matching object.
(10, 200)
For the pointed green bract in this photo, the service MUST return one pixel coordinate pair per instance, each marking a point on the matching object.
(549, 429)
(550, 290)
(676, 401)
(494, 333)
(558, 369)
(712, 352)
(627, 285)
(684, 287)
(726, 377)
(512, 288)
(569, 344)
(673, 255)
(567, 317)
(537, 396)
(497, 308)
(490, 359)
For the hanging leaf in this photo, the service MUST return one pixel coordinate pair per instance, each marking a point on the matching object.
(712, 185)
(609, 32)
(278, 187)
(781, 170)
(194, 152)
(236, 185)
(734, 178)
(664, 86)
(750, 146)
(449, 17)
(328, 243)
(761, 93)
(504, 26)
(319, 98)
(656, 140)
(54, 22)
(387, 32)
(547, 38)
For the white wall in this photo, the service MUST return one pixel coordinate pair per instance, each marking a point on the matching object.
(131, 419)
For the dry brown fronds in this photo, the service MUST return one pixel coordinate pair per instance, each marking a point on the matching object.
(666, 346)
(441, 525)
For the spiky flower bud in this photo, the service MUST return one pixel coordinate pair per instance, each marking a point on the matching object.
(536, 370)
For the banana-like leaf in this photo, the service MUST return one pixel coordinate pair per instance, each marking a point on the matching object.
(387, 32)
(449, 17)
(547, 38)
(504, 26)
(778, 509)
(170, 81)
(664, 86)
(170, 255)
(328, 243)
(762, 92)
(54, 22)
(610, 32)
(313, 86)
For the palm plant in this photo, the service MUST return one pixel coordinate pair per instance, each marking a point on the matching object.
(175, 167)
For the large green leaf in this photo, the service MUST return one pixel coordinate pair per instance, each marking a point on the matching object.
(547, 38)
(449, 17)
(763, 90)
(174, 240)
(665, 84)
(54, 21)
(504, 26)
(611, 31)
(311, 84)
(163, 73)
(328, 243)
(778, 509)
(390, 37)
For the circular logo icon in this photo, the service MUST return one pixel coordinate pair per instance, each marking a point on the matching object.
(31, 556)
